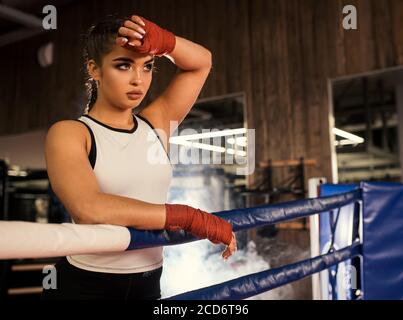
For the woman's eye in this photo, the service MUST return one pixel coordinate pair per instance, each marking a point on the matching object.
(149, 67)
(123, 66)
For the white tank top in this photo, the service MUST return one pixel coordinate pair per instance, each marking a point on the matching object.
(129, 163)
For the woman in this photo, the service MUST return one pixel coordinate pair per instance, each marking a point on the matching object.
(100, 165)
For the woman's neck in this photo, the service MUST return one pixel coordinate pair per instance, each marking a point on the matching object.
(111, 116)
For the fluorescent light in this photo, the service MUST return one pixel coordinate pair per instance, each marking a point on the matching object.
(206, 135)
(210, 147)
(17, 173)
(354, 139)
(238, 152)
(200, 146)
(240, 141)
(344, 142)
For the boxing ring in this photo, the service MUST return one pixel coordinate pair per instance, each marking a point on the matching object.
(360, 239)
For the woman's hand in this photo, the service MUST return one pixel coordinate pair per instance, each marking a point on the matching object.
(131, 33)
(230, 250)
(145, 37)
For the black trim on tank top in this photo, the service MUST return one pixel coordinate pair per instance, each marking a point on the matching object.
(152, 127)
(92, 156)
(115, 129)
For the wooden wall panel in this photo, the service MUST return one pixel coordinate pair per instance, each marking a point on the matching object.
(297, 142)
(384, 44)
(397, 16)
(280, 53)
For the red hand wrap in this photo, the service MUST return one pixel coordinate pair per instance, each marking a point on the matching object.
(199, 223)
(156, 41)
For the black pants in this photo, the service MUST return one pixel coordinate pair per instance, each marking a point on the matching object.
(77, 284)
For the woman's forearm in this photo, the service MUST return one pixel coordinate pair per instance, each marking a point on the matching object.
(105, 208)
(190, 56)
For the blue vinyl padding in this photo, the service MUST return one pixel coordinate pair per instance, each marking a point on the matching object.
(382, 241)
(253, 284)
(248, 218)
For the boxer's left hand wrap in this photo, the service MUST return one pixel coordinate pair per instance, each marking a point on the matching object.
(200, 223)
(157, 40)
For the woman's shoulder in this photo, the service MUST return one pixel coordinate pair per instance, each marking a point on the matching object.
(68, 126)
(69, 131)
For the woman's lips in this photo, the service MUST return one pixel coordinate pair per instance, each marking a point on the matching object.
(134, 96)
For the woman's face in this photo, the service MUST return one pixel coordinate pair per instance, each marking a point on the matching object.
(124, 77)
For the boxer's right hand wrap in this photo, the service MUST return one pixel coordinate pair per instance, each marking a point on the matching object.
(157, 40)
(200, 223)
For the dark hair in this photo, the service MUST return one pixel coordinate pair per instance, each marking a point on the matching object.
(98, 42)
